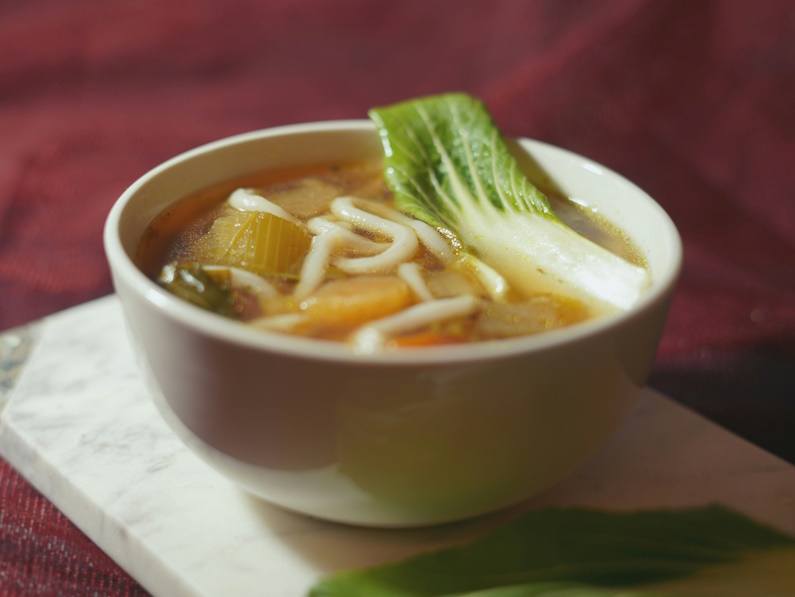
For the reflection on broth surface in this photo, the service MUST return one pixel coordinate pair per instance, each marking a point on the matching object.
(322, 252)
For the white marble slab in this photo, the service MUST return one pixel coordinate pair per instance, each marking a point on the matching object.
(80, 426)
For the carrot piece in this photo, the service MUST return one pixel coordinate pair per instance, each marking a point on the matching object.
(424, 339)
(355, 301)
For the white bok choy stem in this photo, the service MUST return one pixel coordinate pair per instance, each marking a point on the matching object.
(561, 261)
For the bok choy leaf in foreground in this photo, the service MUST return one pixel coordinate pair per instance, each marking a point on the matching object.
(576, 552)
(449, 166)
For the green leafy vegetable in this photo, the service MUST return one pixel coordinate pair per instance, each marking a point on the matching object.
(449, 166)
(585, 553)
(191, 283)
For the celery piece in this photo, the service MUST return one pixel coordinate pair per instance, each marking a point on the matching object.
(259, 242)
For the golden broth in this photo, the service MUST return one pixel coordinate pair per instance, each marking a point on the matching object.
(339, 307)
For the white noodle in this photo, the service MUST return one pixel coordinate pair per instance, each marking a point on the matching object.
(246, 279)
(428, 235)
(410, 272)
(433, 241)
(248, 200)
(346, 237)
(372, 336)
(329, 235)
(496, 286)
(404, 239)
(315, 263)
(380, 257)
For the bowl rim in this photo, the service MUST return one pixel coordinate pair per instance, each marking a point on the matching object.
(237, 333)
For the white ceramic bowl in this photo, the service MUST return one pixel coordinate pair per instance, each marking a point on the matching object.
(401, 439)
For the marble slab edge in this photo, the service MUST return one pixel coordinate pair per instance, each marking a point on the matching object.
(123, 546)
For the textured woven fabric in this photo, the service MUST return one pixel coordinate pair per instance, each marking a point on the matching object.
(694, 101)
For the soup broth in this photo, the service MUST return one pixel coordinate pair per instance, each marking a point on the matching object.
(323, 252)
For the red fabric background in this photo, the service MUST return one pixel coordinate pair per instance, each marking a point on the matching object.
(694, 101)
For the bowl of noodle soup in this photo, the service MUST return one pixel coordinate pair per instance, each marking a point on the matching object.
(409, 435)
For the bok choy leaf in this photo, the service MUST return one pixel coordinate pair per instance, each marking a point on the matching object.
(576, 552)
(448, 165)
(193, 284)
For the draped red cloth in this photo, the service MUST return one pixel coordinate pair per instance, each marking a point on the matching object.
(693, 101)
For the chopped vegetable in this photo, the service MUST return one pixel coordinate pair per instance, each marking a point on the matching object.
(448, 165)
(538, 314)
(256, 241)
(208, 291)
(354, 301)
(416, 340)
